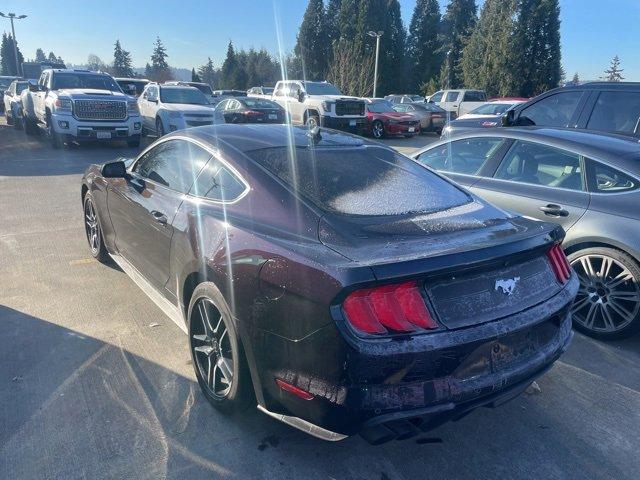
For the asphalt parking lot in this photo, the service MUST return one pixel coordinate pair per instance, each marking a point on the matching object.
(95, 382)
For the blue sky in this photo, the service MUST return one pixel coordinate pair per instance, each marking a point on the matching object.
(593, 31)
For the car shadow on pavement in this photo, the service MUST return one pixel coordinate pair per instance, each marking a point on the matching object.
(81, 407)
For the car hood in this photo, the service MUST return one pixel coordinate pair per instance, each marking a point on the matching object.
(92, 94)
(335, 97)
(188, 108)
(384, 244)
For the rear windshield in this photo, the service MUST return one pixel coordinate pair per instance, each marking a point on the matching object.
(206, 89)
(380, 107)
(492, 109)
(253, 102)
(365, 180)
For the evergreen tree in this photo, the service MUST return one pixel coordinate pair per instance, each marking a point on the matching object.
(8, 58)
(423, 49)
(457, 24)
(52, 57)
(576, 79)
(614, 72)
(148, 71)
(392, 51)
(40, 56)
(160, 70)
(122, 66)
(488, 58)
(231, 73)
(194, 76)
(312, 44)
(536, 46)
(331, 22)
(207, 73)
(293, 66)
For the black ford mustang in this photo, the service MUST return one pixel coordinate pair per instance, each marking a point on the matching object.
(339, 285)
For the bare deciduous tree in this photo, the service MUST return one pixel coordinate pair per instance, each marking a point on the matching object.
(351, 72)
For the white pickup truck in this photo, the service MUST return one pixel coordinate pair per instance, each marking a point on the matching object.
(458, 102)
(80, 105)
(320, 104)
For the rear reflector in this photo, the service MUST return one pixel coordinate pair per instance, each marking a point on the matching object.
(559, 263)
(287, 387)
(396, 308)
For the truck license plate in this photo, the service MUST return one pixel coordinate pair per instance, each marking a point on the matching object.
(352, 123)
(412, 129)
(103, 135)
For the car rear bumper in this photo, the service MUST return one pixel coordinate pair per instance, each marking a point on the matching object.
(399, 129)
(417, 383)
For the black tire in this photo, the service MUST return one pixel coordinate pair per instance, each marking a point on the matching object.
(56, 139)
(17, 122)
(312, 120)
(28, 125)
(377, 129)
(159, 127)
(9, 118)
(228, 397)
(134, 141)
(608, 303)
(93, 230)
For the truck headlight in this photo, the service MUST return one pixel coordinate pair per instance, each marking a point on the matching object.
(327, 106)
(175, 114)
(132, 108)
(63, 105)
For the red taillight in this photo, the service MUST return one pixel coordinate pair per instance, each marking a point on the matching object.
(287, 387)
(559, 263)
(252, 113)
(396, 308)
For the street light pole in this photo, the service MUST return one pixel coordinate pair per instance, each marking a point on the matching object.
(11, 17)
(375, 69)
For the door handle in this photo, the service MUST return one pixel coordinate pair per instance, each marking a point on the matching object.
(159, 217)
(554, 210)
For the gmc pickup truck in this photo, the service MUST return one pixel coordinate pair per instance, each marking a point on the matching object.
(80, 105)
(320, 104)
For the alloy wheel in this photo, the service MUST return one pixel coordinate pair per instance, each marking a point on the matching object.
(91, 226)
(312, 122)
(609, 297)
(378, 130)
(212, 349)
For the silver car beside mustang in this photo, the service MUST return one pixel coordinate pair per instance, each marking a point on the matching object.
(585, 181)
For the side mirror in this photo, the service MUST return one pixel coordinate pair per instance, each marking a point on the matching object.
(430, 101)
(116, 169)
(301, 96)
(507, 118)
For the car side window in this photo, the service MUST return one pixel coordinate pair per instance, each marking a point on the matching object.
(400, 108)
(217, 182)
(552, 111)
(461, 156)
(607, 179)
(294, 90)
(437, 97)
(537, 164)
(221, 105)
(616, 112)
(173, 163)
(452, 96)
(474, 96)
(279, 92)
(410, 108)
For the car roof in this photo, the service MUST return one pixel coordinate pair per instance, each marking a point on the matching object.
(248, 137)
(177, 87)
(127, 79)
(615, 149)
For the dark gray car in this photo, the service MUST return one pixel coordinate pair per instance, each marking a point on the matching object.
(587, 182)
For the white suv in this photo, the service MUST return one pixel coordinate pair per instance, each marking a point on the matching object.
(320, 104)
(166, 108)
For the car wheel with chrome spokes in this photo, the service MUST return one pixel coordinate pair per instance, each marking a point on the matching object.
(217, 356)
(377, 129)
(608, 302)
(93, 230)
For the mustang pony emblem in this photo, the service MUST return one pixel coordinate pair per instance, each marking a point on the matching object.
(506, 285)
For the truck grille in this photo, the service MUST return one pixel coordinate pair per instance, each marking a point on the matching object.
(99, 110)
(349, 107)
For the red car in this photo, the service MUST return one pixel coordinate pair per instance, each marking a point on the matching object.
(383, 120)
